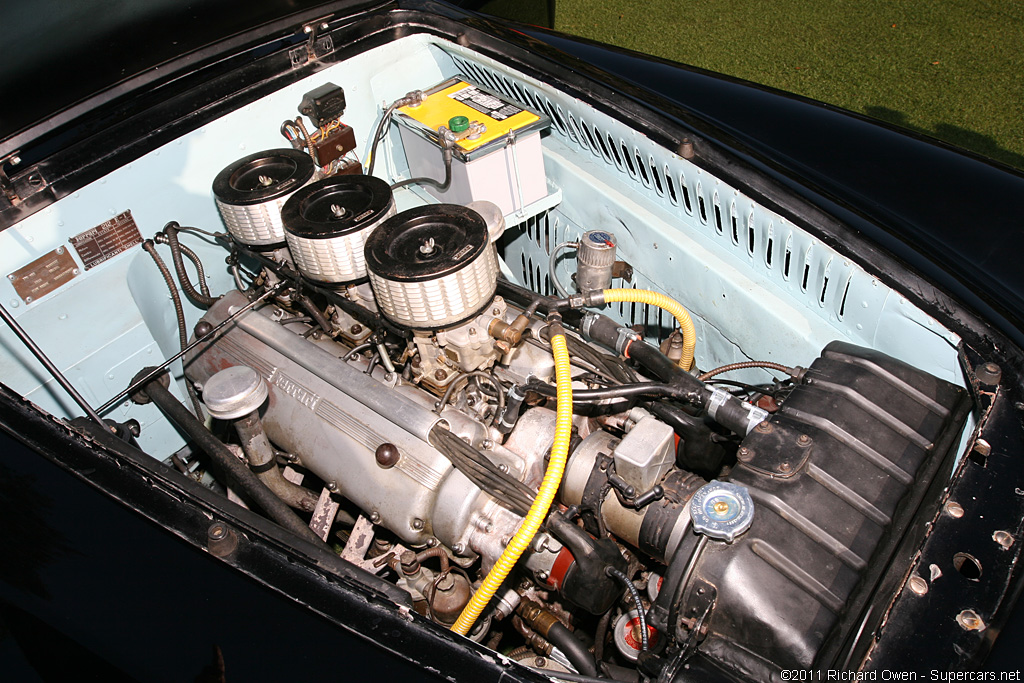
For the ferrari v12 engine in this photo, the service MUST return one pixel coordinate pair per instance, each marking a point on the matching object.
(757, 566)
(534, 474)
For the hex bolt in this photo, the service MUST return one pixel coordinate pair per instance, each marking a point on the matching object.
(375, 517)
(764, 427)
(440, 375)
(988, 374)
(785, 467)
(459, 548)
(803, 441)
(744, 454)
(954, 509)
(917, 585)
(355, 329)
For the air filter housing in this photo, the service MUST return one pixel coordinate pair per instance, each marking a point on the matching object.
(251, 191)
(327, 224)
(432, 267)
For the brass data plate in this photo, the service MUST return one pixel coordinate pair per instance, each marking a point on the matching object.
(45, 274)
(107, 240)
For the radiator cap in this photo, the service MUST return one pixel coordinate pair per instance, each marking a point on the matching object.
(721, 510)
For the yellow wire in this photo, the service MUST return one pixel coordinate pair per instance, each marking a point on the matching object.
(645, 296)
(545, 496)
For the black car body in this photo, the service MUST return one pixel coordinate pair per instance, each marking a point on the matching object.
(881, 261)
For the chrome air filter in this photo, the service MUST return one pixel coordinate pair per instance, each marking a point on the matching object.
(251, 191)
(432, 267)
(327, 224)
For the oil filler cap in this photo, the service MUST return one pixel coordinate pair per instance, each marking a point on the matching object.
(234, 392)
(721, 510)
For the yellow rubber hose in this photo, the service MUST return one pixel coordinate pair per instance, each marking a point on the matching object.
(548, 488)
(645, 296)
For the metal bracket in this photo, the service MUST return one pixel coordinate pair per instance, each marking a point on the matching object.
(6, 186)
(323, 515)
(317, 45)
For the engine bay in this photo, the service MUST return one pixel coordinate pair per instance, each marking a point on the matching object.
(585, 403)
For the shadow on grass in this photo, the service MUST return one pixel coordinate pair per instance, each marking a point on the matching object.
(961, 137)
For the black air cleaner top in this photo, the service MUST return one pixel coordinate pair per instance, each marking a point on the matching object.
(336, 206)
(426, 243)
(262, 176)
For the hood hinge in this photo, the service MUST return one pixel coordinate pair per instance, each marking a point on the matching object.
(318, 44)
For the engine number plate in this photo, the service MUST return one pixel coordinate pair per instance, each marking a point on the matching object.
(45, 274)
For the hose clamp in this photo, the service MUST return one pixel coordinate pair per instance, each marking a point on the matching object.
(625, 337)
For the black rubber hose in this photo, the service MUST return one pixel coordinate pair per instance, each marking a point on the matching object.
(648, 389)
(239, 474)
(574, 650)
(608, 364)
(179, 313)
(572, 678)
(700, 452)
(726, 410)
(171, 231)
(545, 304)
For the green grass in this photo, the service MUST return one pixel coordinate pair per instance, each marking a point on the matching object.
(952, 69)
